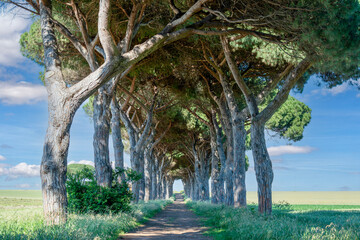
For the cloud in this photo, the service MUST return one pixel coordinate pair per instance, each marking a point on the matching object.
(5, 146)
(25, 185)
(2, 158)
(11, 28)
(337, 89)
(358, 95)
(16, 93)
(21, 170)
(289, 149)
(86, 162)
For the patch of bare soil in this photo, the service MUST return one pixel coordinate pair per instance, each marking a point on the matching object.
(175, 222)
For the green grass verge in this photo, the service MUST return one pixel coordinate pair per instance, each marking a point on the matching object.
(19, 220)
(22, 194)
(287, 222)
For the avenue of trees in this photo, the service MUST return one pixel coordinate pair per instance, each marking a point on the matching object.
(190, 85)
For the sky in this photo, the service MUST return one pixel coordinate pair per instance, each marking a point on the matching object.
(326, 159)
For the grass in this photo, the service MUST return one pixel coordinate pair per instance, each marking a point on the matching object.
(77, 167)
(21, 218)
(22, 194)
(287, 221)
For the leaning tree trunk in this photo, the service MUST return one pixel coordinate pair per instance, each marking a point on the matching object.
(117, 138)
(101, 118)
(263, 167)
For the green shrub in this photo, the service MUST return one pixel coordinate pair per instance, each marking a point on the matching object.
(85, 196)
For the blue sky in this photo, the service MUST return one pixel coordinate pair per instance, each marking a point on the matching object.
(327, 159)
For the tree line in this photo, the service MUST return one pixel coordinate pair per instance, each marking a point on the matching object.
(194, 84)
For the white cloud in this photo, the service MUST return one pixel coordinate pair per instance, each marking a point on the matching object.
(11, 27)
(86, 162)
(24, 185)
(358, 95)
(15, 93)
(2, 158)
(337, 90)
(21, 170)
(288, 149)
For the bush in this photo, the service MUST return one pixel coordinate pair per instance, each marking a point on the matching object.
(85, 196)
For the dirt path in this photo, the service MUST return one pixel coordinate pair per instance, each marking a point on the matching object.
(175, 222)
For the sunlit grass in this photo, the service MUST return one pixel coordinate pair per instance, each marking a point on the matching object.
(21, 218)
(287, 222)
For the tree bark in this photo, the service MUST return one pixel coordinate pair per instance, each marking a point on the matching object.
(101, 119)
(164, 187)
(263, 167)
(54, 161)
(215, 172)
(222, 158)
(116, 137)
(170, 184)
(238, 138)
(147, 174)
(154, 180)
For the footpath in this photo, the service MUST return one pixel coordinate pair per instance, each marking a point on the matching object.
(175, 222)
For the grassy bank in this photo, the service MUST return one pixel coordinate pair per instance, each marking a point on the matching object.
(21, 218)
(287, 222)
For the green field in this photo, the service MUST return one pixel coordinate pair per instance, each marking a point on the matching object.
(21, 218)
(297, 215)
(308, 222)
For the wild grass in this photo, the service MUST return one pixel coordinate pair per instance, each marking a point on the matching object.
(287, 222)
(22, 219)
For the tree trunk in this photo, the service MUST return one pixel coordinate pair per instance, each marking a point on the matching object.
(239, 138)
(117, 138)
(263, 167)
(101, 118)
(215, 172)
(170, 184)
(222, 158)
(229, 189)
(142, 180)
(54, 160)
(164, 187)
(147, 175)
(159, 185)
(154, 181)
